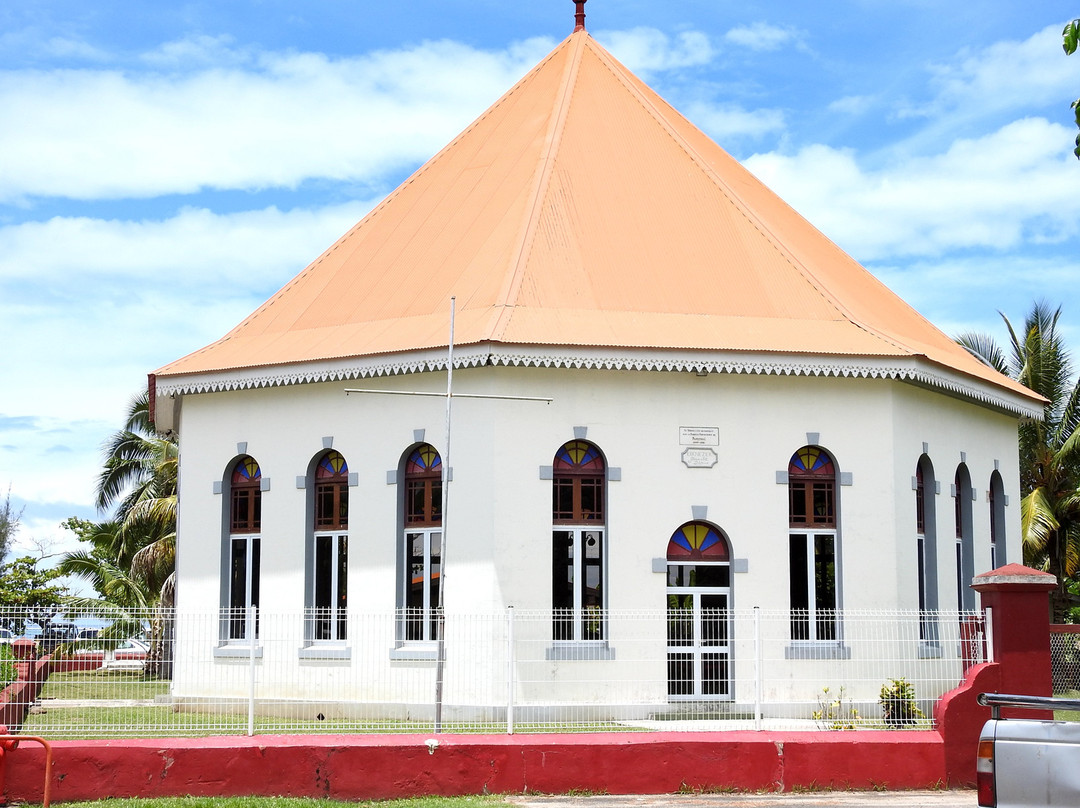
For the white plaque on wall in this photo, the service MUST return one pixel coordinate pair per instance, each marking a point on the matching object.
(699, 436)
(699, 458)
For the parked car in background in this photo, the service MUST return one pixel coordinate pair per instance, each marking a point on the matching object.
(56, 633)
(129, 654)
(130, 651)
(6, 636)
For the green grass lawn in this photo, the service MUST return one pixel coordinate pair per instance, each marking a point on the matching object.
(89, 721)
(288, 802)
(1068, 715)
(100, 684)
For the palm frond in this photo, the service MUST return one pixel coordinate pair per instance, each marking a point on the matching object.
(1037, 521)
(984, 348)
(156, 562)
(1046, 360)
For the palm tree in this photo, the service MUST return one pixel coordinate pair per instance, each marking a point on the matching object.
(107, 566)
(1049, 448)
(132, 560)
(139, 479)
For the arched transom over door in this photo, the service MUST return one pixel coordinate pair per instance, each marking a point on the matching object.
(698, 616)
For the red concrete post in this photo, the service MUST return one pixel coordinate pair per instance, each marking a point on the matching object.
(1018, 600)
(25, 652)
(1019, 628)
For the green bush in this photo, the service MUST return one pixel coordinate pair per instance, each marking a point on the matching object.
(898, 705)
(8, 672)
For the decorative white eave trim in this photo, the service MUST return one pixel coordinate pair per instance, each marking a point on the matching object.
(902, 368)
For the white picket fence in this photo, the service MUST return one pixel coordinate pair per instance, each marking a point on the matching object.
(500, 672)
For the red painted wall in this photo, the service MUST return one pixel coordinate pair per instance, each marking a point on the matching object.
(960, 719)
(379, 767)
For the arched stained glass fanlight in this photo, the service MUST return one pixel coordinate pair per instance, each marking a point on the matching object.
(424, 459)
(697, 541)
(811, 460)
(579, 456)
(246, 471)
(331, 465)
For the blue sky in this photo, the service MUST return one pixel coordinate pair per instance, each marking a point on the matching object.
(165, 167)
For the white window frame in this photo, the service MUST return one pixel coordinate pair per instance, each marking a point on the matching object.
(810, 535)
(698, 649)
(336, 537)
(580, 583)
(429, 609)
(249, 540)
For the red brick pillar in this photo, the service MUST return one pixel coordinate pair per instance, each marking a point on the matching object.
(1017, 597)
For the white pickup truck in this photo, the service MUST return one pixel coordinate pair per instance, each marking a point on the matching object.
(1028, 762)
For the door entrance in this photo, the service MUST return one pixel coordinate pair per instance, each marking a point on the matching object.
(698, 614)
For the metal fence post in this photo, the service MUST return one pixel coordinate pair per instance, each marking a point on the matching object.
(250, 630)
(988, 621)
(757, 667)
(509, 670)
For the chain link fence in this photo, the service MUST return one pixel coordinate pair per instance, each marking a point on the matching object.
(1065, 659)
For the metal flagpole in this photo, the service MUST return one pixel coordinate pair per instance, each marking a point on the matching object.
(440, 661)
(449, 394)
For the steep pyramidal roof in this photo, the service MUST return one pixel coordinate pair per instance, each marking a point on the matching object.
(582, 211)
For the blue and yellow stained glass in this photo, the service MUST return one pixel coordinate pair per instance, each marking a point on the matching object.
(578, 455)
(332, 464)
(246, 470)
(697, 540)
(810, 460)
(423, 459)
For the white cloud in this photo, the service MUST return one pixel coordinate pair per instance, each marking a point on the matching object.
(853, 105)
(986, 283)
(1011, 74)
(999, 191)
(647, 50)
(760, 36)
(1005, 77)
(66, 48)
(95, 305)
(200, 51)
(93, 134)
(190, 248)
(725, 122)
(33, 45)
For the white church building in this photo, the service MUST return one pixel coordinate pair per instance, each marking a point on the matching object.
(668, 388)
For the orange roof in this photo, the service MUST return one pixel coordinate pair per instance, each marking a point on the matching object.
(581, 210)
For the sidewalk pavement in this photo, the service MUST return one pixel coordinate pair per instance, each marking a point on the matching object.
(959, 798)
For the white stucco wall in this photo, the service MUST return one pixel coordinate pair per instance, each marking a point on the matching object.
(498, 550)
(500, 508)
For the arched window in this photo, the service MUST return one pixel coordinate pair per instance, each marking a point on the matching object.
(330, 549)
(245, 524)
(698, 602)
(812, 538)
(422, 543)
(965, 544)
(577, 515)
(926, 547)
(998, 556)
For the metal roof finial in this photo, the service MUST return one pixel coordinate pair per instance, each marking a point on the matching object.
(579, 15)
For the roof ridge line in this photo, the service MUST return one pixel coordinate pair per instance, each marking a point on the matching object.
(388, 199)
(607, 58)
(512, 284)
